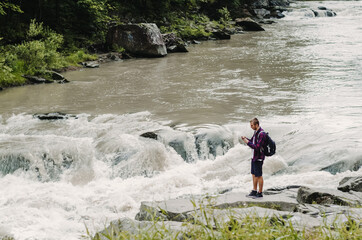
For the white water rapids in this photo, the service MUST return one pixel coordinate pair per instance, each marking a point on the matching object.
(301, 78)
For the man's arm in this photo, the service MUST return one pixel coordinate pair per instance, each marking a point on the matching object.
(259, 143)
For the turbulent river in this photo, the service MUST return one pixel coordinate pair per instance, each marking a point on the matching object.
(301, 78)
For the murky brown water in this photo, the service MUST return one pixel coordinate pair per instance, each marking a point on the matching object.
(301, 78)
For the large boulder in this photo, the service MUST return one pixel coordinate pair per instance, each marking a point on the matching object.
(325, 196)
(248, 24)
(144, 39)
(350, 183)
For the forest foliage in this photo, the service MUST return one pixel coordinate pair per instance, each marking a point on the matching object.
(38, 35)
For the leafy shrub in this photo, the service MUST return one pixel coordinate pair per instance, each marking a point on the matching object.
(79, 56)
(192, 27)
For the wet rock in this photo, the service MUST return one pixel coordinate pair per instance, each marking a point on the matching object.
(52, 116)
(324, 196)
(92, 64)
(56, 76)
(174, 43)
(179, 147)
(37, 80)
(59, 78)
(213, 143)
(248, 24)
(343, 166)
(151, 135)
(45, 168)
(142, 39)
(221, 35)
(262, 13)
(277, 14)
(267, 22)
(259, 4)
(291, 190)
(324, 12)
(279, 3)
(181, 142)
(351, 184)
(10, 163)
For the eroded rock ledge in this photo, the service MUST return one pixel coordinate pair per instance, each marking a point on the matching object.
(305, 208)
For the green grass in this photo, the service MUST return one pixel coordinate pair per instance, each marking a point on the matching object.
(204, 225)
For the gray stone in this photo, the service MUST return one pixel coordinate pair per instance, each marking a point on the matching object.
(326, 196)
(92, 64)
(209, 216)
(248, 24)
(180, 209)
(261, 12)
(260, 3)
(52, 116)
(37, 80)
(218, 34)
(144, 39)
(344, 165)
(351, 183)
(320, 211)
(214, 142)
(174, 43)
(132, 228)
(151, 135)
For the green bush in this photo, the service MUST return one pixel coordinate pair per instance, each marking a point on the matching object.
(41, 54)
(192, 27)
(36, 56)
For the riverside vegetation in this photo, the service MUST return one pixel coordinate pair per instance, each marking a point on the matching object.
(292, 212)
(236, 226)
(52, 35)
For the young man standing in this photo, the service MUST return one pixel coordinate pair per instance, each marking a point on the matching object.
(256, 143)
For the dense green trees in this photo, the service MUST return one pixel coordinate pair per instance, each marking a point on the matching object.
(84, 22)
(38, 35)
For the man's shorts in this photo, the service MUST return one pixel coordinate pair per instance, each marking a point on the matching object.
(257, 168)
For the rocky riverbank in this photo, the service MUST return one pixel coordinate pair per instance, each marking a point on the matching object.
(146, 40)
(303, 208)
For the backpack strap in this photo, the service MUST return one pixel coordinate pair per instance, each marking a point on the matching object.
(261, 148)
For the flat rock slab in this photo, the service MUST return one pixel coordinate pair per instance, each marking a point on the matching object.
(179, 209)
(299, 220)
(123, 227)
(327, 196)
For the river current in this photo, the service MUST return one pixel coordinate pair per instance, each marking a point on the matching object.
(301, 78)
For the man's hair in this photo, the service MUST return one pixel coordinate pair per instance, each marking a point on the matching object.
(255, 121)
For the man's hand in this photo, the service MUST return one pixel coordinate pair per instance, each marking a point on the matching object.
(244, 139)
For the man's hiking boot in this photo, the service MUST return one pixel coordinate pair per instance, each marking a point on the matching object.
(258, 195)
(252, 194)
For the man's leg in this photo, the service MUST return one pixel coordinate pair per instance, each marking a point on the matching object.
(255, 183)
(260, 181)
